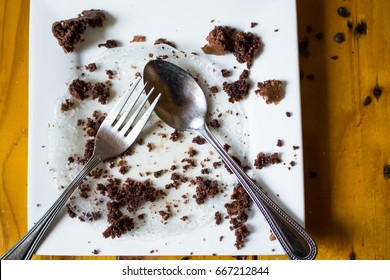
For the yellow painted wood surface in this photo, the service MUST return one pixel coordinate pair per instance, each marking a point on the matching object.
(346, 144)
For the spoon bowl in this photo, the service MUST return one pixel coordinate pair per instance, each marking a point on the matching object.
(184, 103)
(183, 106)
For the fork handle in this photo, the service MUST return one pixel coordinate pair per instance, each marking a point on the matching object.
(296, 242)
(27, 245)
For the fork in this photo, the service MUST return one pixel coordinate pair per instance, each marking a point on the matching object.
(115, 135)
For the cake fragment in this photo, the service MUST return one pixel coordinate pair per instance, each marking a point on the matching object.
(68, 32)
(78, 88)
(219, 41)
(109, 44)
(223, 40)
(263, 160)
(205, 188)
(131, 195)
(100, 92)
(239, 89)
(246, 47)
(237, 212)
(270, 90)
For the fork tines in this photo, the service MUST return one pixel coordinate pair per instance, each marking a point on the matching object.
(124, 113)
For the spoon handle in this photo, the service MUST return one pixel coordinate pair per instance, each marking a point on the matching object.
(292, 236)
(27, 245)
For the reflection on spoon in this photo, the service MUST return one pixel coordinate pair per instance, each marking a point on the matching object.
(183, 106)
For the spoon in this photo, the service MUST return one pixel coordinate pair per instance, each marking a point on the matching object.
(183, 106)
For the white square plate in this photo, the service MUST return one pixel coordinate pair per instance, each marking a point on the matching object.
(186, 24)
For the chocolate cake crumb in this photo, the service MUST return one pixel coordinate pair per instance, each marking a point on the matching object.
(216, 164)
(199, 140)
(288, 114)
(150, 146)
(91, 67)
(100, 92)
(214, 123)
(226, 147)
(279, 143)
(191, 152)
(70, 212)
(162, 57)
(174, 136)
(263, 160)
(66, 105)
(95, 251)
(131, 194)
(237, 212)
(110, 74)
(226, 73)
(80, 122)
(78, 88)
(164, 215)
(219, 41)
(205, 171)
(184, 218)
(254, 24)
(244, 74)
(84, 190)
(119, 227)
(164, 41)
(236, 90)
(68, 32)
(295, 148)
(205, 188)
(88, 151)
(157, 174)
(270, 90)
(246, 47)
(109, 44)
(218, 218)
(190, 163)
(138, 38)
(214, 89)
(123, 169)
(94, 216)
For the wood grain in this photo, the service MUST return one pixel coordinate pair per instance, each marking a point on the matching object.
(346, 144)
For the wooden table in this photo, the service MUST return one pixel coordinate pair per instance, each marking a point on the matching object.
(346, 142)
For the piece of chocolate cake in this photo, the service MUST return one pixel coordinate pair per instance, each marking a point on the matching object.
(78, 88)
(219, 41)
(236, 90)
(263, 160)
(68, 32)
(270, 90)
(246, 47)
